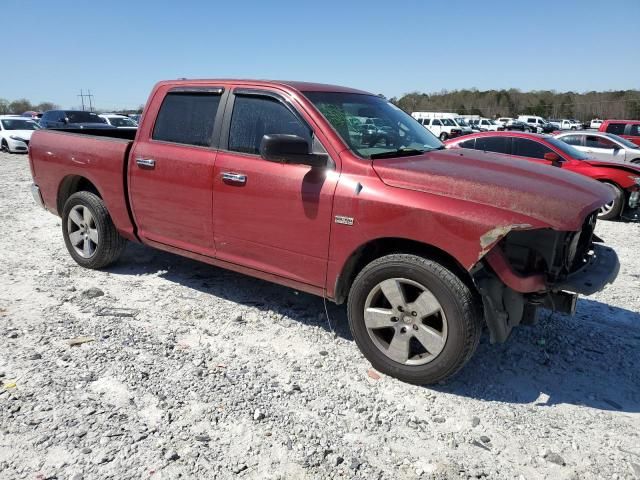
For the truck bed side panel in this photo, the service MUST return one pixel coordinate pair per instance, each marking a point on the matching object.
(56, 156)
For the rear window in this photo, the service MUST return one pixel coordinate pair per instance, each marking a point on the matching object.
(616, 128)
(187, 118)
(523, 147)
(84, 117)
(635, 130)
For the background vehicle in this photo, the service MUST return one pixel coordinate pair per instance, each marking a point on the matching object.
(517, 125)
(72, 119)
(443, 124)
(624, 180)
(487, 125)
(503, 120)
(603, 146)
(629, 129)
(539, 124)
(15, 133)
(119, 121)
(135, 117)
(272, 179)
(595, 123)
(576, 123)
(563, 124)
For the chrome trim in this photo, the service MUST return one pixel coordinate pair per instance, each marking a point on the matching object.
(234, 177)
(145, 162)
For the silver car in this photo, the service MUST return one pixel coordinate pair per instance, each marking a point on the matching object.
(606, 147)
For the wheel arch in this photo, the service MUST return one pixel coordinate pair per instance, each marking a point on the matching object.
(72, 184)
(379, 247)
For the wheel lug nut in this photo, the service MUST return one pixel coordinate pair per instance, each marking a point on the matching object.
(394, 319)
(414, 314)
(415, 327)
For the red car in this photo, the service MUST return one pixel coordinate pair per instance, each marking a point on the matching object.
(548, 150)
(277, 180)
(629, 129)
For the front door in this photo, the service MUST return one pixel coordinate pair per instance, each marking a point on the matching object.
(171, 172)
(271, 217)
(604, 149)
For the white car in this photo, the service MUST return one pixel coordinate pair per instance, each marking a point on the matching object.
(119, 121)
(504, 121)
(603, 146)
(443, 128)
(15, 133)
(595, 123)
(487, 125)
(563, 124)
(538, 123)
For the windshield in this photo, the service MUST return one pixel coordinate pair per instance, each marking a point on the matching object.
(84, 117)
(567, 149)
(19, 124)
(122, 122)
(626, 143)
(462, 122)
(398, 132)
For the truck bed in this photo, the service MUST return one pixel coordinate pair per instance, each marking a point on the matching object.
(58, 158)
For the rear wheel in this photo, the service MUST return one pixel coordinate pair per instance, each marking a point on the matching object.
(612, 210)
(89, 233)
(413, 319)
(443, 136)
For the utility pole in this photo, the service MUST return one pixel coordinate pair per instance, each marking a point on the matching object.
(89, 96)
(82, 99)
(90, 102)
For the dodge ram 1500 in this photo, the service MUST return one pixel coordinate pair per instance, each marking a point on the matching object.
(277, 180)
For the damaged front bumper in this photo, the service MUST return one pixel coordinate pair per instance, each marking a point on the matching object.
(600, 270)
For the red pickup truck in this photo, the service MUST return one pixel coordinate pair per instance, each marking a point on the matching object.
(277, 180)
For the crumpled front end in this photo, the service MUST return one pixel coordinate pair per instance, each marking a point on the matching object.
(528, 269)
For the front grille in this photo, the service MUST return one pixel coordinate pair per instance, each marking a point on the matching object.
(581, 243)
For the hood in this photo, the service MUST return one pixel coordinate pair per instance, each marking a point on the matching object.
(633, 169)
(550, 195)
(25, 134)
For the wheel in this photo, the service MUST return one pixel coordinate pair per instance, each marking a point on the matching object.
(4, 147)
(88, 231)
(443, 136)
(527, 130)
(612, 210)
(413, 319)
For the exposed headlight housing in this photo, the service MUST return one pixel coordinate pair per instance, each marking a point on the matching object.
(635, 179)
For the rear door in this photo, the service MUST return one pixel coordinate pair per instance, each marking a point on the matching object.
(602, 148)
(531, 149)
(272, 217)
(171, 170)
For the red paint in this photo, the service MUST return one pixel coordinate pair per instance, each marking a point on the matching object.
(511, 278)
(634, 138)
(280, 225)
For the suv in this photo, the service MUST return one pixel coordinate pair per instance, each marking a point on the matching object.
(72, 119)
(629, 129)
(486, 125)
(442, 128)
(539, 124)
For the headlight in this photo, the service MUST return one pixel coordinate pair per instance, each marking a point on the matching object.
(635, 179)
(15, 137)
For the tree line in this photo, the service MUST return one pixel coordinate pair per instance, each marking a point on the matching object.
(23, 105)
(622, 104)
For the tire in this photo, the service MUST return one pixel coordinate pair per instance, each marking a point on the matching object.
(91, 239)
(443, 136)
(5, 147)
(527, 130)
(453, 331)
(612, 210)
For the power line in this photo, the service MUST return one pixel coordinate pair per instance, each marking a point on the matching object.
(89, 96)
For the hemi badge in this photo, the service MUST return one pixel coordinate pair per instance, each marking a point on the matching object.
(344, 220)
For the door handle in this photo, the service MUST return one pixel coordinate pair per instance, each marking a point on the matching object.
(146, 162)
(234, 178)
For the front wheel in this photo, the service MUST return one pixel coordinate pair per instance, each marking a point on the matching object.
(89, 233)
(5, 147)
(612, 210)
(443, 136)
(413, 319)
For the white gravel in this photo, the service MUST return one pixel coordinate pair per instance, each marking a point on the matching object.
(211, 374)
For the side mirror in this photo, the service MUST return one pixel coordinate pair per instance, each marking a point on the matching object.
(554, 158)
(284, 148)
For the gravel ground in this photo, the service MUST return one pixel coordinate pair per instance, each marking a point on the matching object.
(184, 370)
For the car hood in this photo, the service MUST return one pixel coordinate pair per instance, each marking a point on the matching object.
(625, 167)
(26, 134)
(557, 198)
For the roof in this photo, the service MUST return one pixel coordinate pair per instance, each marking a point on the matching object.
(294, 85)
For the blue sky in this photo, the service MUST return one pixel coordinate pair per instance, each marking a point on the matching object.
(119, 49)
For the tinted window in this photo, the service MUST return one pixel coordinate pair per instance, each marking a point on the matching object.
(531, 120)
(493, 144)
(617, 128)
(594, 141)
(253, 117)
(84, 117)
(468, 143)
(19, 124)
(572, 139)
(187, 118)
(524, 147)
(635, 130)
(436, 122)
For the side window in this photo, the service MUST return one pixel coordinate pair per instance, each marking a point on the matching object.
(572, 140)
(635, 130)
(254, 116)
(594, 141)
(523, 147)
(187, 118)
(616, 128)
(436, 122)
(468, 143)
(493, 144)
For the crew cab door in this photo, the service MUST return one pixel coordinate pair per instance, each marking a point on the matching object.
(171, 169)
(272, 217)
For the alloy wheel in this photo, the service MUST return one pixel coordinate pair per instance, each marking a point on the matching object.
(83, 231)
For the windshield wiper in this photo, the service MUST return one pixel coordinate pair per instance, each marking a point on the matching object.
(401, 152)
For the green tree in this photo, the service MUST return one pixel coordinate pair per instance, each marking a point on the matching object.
(20, 106)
